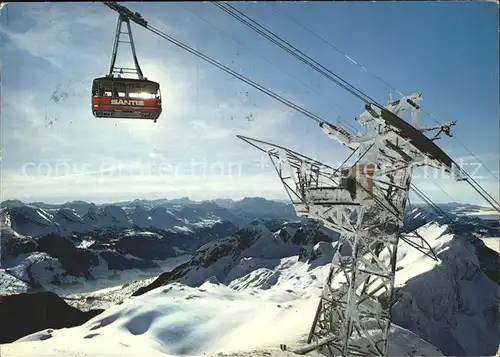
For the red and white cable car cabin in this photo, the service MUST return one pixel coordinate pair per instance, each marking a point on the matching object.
(126, 98)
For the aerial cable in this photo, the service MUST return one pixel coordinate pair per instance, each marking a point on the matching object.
(440, 188)
(263, 57)
(280, 42)
(122, 10)
(473, 182)
(380, 203)
(321, 69)
(480, 190)
(114, 6)
(427, 200)
(463, 145)
(377, 77)
(335, 48)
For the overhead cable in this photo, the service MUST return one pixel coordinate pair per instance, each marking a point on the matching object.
(380, 79)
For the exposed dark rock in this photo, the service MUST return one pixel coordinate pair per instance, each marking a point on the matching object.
(145, 246)
(438, 296)
(472, 228)
(163, 279)
(205, 256)
(75, 261)
(117, 261)
(22, 246)
(24, 314)
(231, 249)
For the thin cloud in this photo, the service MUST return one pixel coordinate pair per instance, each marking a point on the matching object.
(204, 186)
(69, 44)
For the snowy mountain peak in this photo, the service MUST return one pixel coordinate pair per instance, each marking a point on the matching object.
(82, 217)
(260, 279)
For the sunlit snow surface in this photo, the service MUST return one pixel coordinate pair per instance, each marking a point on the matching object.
(176, 320)
(268, 305)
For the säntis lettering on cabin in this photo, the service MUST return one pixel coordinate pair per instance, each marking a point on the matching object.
(127, 102)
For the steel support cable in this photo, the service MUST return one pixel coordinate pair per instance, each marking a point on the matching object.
(349, 157)
(395, 214)
(280, 42)
(334, 47)
(113, 5)
(440, 188)
(414, 245)
(374, 75)
(388, 209)
(449, 219)
(321, 69)
(429, 202)
(433, 254)
(376, 199)
(263, 57)
(473, 183)
(463, 145)
(470, 179)
(415, 188)
(421, 195)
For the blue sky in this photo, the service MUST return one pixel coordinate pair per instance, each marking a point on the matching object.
(56, 151)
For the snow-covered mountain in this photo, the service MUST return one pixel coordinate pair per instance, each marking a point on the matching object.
(45, 245)
(59, 244)
(247, 253)
(249, 292)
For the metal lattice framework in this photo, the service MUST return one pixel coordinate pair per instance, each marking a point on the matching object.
(365, 203)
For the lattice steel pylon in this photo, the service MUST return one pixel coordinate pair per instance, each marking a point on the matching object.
(365, 203)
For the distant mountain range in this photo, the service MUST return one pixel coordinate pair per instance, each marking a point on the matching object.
(38, 218)
(59, 244)
(223, 202)
(251, 246)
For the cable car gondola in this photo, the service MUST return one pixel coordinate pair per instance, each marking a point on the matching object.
(114, 96)
(126, 98)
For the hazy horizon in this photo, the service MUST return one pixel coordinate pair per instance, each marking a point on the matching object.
(53, 149)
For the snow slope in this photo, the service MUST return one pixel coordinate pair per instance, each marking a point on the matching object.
(183, 321)
(450, 303)
(245, 294)
(53, 260)
(492, 243)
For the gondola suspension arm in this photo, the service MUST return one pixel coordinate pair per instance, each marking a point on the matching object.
(124, 18)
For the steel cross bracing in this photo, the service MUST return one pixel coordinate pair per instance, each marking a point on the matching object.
(365, 203)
